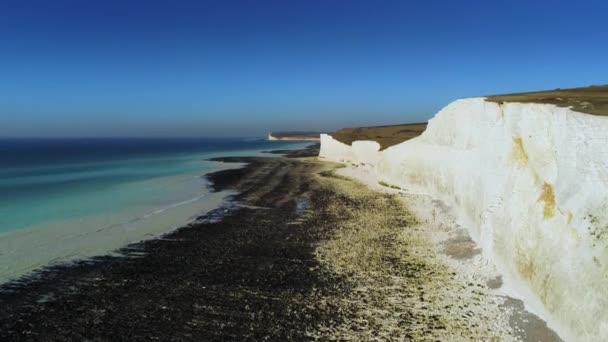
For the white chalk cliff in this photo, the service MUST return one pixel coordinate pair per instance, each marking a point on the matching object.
(530, 183)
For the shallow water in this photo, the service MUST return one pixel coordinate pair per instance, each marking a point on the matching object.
(73, 198)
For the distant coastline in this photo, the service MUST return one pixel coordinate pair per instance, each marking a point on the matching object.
(294, 136)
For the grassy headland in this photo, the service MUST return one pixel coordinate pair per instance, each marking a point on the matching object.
(386, 136)
(590, 100)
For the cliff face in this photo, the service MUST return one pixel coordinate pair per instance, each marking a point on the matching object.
(530, 183)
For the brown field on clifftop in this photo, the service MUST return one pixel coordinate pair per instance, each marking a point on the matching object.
(386, 136)
(590, 100)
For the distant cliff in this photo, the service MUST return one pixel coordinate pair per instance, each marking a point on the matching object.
(294, 136)
(386, 136)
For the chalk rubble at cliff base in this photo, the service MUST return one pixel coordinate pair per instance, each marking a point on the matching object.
(529, 182)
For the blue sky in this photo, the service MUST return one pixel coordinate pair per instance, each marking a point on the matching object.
(233, 68)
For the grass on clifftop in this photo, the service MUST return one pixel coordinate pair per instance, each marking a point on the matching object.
(590, 100)
(386, 136)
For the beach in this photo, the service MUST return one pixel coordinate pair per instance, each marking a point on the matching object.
(303, 171)
(69, 199)
(300, 252)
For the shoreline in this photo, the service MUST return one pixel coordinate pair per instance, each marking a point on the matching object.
(67, 242)
(75, 240)
(102, 281)
(299, 253)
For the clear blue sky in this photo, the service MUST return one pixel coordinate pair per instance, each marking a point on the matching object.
(212, 68)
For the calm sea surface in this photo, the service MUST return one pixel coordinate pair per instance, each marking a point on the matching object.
(59, 194)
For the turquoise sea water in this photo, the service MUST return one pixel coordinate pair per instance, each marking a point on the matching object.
(59, 196)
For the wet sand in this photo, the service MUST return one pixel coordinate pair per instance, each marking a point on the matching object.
(300, 254)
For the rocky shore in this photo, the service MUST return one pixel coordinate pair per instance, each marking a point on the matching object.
(301, 253)
(251, 275)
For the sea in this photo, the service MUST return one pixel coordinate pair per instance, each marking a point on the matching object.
(66, 199)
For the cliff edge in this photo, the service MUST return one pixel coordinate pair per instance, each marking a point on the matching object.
(530, 183)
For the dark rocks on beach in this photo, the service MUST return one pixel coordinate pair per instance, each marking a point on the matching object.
(249, 276)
